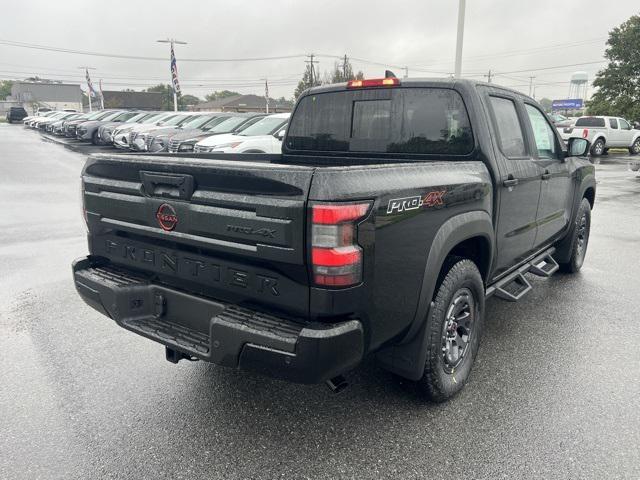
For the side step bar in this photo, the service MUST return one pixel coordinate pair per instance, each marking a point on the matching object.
(544, 267)
(513, 288)
(515, 285)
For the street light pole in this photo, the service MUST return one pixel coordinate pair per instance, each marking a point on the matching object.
(172, 42)
(458, 68)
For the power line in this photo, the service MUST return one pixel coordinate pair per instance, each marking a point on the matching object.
(557, 66)
(116, 75)
(517, 52)
(135, 57)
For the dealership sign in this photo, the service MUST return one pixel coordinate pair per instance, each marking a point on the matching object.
(568, 104)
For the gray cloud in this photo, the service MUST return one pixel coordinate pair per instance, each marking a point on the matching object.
(500, 35)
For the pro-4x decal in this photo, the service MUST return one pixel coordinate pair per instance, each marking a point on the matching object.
(431, 199)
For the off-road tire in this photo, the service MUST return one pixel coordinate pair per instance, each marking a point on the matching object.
(598, 147)
(437, 383)
(634, 149)
(580, 238)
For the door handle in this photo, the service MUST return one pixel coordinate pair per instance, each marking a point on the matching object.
(510, 181)
(546, 175)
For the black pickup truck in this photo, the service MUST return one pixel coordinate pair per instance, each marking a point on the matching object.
(395, 209)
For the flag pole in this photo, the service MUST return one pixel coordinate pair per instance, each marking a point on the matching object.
(101, 96)
(174, 77)
(175, 95)
(89, 85)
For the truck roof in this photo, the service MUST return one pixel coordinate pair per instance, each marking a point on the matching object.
(442, 82)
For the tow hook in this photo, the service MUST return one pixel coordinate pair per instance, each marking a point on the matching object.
(175, 356)
(337, 384)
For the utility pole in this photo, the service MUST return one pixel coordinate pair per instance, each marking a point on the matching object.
(174, 69)
(461, 7)
(531, 87)
(311, 62)
(89, 83)
(406, 72)
(344, 68)
(489, 76)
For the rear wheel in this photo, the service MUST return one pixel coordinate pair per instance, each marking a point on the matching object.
(454, 328)
(580, 239)
(598, 148)
(634, 149)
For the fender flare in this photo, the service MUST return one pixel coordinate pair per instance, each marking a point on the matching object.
(407, 357)
(564, 246)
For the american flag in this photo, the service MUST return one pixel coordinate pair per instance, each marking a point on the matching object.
(92, 91)
(174, 72)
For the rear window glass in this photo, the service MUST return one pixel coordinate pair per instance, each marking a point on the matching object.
(398, 120)
(590, 122)
(509, 128)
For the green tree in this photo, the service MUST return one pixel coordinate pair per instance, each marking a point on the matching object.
(306, 81)
(546, 103)
(167, 95)
(343, 72)
(217, 95)
(5, 88)
(187, 100)
(618, 85)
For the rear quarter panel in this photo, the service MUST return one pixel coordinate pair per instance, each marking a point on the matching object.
(410, 203)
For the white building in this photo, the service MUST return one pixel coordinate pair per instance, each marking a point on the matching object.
(54, 95)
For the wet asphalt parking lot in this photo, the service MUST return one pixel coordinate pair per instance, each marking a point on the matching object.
(555, 391)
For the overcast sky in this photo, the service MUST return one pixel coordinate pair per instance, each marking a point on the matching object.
(507, 36)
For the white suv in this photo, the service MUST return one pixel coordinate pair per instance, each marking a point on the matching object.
(606, 132)
(264, 136)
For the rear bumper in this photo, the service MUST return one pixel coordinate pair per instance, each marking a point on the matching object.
(225, 334)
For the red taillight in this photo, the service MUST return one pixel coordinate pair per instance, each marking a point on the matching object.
(374, 82)
(333, 214)
(585, 133)
(336, 258)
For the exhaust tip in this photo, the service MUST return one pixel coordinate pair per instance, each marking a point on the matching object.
(337, 384)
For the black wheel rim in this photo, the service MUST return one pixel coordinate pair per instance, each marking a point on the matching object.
(457, 329)
(583, 236)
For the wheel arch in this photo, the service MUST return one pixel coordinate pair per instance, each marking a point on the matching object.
(469, 235)
(590, 195)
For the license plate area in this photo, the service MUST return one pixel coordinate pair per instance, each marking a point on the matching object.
(215, 277)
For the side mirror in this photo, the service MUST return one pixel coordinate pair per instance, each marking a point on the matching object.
(280, 134)
(578, 147)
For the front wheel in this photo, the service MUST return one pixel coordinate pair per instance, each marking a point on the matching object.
(94, 138)
(580, 239)
(634, 149)
(454, 328)
(598, 148)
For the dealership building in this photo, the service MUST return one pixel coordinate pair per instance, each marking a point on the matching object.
(242, 103)
(54, 95)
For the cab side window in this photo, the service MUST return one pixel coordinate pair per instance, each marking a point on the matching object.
(545, 137)
(624, 125)
(613, 123)
(509, 128)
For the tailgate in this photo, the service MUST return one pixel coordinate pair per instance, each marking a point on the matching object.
(230, 229)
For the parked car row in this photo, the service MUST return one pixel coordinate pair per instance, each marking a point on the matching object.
(144, 131)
